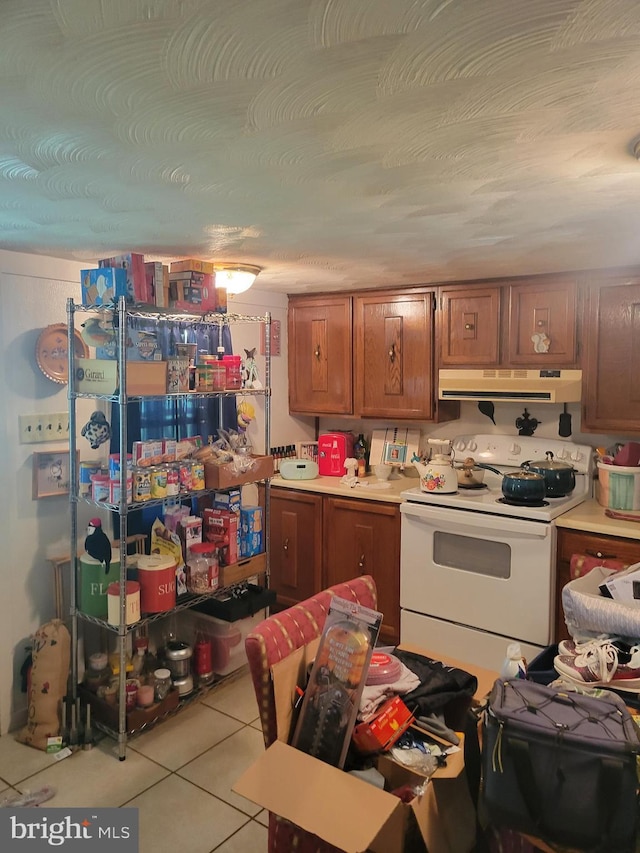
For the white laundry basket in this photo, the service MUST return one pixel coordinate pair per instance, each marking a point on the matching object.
(588, 613)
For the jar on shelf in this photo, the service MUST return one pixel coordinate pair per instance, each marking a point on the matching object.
(98, 672)
(161, 684)
(202, 567)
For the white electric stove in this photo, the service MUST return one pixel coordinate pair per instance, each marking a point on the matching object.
(477, 573)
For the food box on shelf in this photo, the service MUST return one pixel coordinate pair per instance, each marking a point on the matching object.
(103, 286)
(351, 814)
(192, 265)
(133, 264)
(224, 476)
(243, 570)
(100, 376)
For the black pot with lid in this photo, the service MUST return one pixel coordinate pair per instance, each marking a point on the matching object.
(559, 477)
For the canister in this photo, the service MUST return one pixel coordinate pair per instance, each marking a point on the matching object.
(173, 480)
(114, 490)
(141, 485)
(132, 603)
(233, 371)
(85, 471)
(158, 484)
(100, 487)
(94, 583)
(177, 375)
(157, 578)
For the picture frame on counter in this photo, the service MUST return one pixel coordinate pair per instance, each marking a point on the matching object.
(51, 473)
(307, 450)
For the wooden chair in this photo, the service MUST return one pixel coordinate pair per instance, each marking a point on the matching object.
(272, 640)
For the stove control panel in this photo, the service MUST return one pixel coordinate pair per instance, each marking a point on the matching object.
(503, 451)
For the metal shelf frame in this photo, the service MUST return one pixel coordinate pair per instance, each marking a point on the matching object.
(121, 314)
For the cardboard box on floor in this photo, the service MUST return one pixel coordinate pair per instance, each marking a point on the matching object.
(342, 809)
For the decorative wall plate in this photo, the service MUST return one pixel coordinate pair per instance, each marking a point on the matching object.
(52, 352)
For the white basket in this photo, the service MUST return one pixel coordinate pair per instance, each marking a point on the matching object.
(619, 486)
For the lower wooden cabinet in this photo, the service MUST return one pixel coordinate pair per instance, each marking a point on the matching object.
(317, 541)
(296, 545)
(363, 538)
(593, 545)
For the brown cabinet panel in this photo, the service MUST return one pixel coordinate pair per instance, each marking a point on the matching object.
(394, 355)
(470, 326)
(595, 545)
(611, 399)
(543, 323)
(320, 355)
(363, 537)
(295, 545)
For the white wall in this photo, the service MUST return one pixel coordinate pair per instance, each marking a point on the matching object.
(33, 294)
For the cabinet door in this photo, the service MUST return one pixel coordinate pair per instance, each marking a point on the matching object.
(470, 326)
(394, 355)
(363, 538)
(296, 545)
(320, 355)
(594, 545)
(542, 323)
(611, 378)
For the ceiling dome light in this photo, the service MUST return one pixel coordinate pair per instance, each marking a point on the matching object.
(235, 278)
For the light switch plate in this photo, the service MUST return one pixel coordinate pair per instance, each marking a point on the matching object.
(38, 429)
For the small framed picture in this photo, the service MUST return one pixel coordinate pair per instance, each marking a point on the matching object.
(275, 338)
(307, 450)
(51, 473)
(394, 453)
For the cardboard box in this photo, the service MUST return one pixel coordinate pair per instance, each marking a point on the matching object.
(133, 263)
(250, 531)
(146, 378)
(192, 265)
(155, 275)
(95, 376)
(345, 811)
(220, 526)
(141, 346)
(103, 286)
(193, 292)
(223, 476)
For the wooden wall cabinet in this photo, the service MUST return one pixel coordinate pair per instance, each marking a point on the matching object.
(394, 354)
(320, 355)
(529, 323)
(317, 541)
(611, 398)
(594, 545)
(295, 545)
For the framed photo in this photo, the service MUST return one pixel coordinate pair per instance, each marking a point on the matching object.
(275, 338)
(51, 473)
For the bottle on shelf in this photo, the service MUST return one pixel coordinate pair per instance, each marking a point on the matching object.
(514, 665)
(361, 453)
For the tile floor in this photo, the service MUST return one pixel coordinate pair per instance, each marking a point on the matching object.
(179, 775)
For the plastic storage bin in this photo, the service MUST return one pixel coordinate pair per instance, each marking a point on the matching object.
(619, 486)
(226, 638)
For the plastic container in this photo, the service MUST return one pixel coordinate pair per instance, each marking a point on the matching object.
(514, 665)
(226, 638)
(619, 486)
(202, 567)
(161, 684)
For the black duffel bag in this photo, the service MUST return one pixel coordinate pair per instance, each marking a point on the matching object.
(561, 766)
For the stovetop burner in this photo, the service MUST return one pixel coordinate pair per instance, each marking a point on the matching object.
(472, 486)
(513, 502)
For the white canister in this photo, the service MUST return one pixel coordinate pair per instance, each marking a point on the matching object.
(132, 603)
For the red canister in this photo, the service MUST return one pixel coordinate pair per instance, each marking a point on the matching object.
(157, 578)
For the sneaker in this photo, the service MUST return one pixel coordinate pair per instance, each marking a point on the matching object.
(602, 664)
(573, 647)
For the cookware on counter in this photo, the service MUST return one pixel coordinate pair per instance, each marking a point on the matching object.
(521, 486)
(559, 477)
(437, 476)
(469, 475)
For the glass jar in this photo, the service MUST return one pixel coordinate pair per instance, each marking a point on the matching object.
(202, 567)
(161, 684)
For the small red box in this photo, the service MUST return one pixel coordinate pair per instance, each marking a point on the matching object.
(380, 733)
(220, 526)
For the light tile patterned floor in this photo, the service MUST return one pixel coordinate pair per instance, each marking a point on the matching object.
(178, 775)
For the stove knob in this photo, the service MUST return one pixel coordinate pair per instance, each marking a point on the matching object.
(460, 444)
(514, 448)
(577, 456)
(563, 453)
(473, 446)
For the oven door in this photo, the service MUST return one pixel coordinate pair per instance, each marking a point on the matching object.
(488, 572)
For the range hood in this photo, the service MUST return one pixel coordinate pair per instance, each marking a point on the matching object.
(542, 386)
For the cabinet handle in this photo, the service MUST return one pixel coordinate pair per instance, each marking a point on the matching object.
(392, 352)
(285, 545)
(468, 326)
(361, 562)
(600, 555)
(317, 352)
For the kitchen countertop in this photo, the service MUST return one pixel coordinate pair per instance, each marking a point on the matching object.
(589, 516)
(367, 489)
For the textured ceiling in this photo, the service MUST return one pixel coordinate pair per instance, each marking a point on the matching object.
(336, 143)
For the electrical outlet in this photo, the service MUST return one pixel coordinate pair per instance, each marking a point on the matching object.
(36, 429)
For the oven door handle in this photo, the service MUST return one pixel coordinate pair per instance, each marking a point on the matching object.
(492, 525)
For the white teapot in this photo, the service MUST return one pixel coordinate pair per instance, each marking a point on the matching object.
(437, 476)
